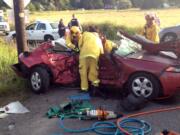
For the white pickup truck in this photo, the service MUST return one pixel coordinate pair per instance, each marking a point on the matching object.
(4, 26)
(39, 31)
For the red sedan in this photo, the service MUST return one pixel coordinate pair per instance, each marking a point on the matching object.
(130, 67)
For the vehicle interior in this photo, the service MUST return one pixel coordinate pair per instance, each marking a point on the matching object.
(60, 46)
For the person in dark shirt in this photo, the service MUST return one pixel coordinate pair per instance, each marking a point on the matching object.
(74, 22)
(61, 28)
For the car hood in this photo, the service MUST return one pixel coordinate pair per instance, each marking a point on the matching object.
(163, 57)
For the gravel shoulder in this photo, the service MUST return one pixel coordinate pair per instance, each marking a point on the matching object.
(36, 123)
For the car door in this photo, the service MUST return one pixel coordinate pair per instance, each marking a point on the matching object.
(64, 65)
(109, 69)
(30, 31)
(40, 31)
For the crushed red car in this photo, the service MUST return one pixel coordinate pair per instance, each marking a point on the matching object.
(130, 66)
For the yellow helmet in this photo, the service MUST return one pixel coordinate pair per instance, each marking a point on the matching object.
(75, 29)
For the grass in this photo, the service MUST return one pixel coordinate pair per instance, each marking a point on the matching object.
(132, 18)
(9, 82)
(110, 21)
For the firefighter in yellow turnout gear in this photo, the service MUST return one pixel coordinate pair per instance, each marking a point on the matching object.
(151, 29)
(90, 47)
(72, 38)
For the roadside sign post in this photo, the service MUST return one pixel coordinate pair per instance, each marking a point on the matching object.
(20, 26)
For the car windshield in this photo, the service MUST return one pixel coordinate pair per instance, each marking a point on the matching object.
(54, 25)
(127, 47)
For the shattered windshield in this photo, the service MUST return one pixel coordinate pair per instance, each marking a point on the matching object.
(127, 47)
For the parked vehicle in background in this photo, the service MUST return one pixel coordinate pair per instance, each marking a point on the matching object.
(128, 68)
(39, 31)
(170, 33)
(4, 26)
(2, 13)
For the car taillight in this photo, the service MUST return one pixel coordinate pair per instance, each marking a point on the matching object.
(175, 69)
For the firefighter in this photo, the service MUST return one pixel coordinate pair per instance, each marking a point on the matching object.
(72, 38)
(151, 28)
(108, 45)
(91, 48)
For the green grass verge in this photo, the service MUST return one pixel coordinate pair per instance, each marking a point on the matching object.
(9, 81)
(110, 30)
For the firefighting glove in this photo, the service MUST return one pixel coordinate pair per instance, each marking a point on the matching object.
(76, 50)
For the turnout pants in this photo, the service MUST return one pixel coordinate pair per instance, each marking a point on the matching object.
(88, 69)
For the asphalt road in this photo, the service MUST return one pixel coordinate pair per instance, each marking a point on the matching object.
(35, 122)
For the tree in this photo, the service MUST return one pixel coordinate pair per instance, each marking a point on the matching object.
(174, 2)
(153, 4)
(75, 3)
(137, 3)
(3, 6)
(123, 4)
(109, 3)
(64, 4)
(91, 4)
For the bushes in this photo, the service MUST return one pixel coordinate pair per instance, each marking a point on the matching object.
(9, 82)
(110, 30)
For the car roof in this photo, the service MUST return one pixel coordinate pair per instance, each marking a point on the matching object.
(43, 21)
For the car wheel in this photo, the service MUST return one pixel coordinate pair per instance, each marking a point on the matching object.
(39, 80)
(144, 85)
(48, 38)
(169, 37)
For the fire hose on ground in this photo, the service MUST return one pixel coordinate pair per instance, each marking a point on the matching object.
(125, 125)
(101, 127)
(121, 127)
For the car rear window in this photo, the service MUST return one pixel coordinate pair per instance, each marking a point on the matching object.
(54, 25)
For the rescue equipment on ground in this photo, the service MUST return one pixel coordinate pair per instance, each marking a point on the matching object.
(126, 132)
(14, 108)
(100, 114)
(110, 128)
(69, 109)
(169, 132)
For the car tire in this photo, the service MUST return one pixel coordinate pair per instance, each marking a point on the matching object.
(48, 38)
(144, 85)
(39, 80)
(133, 103)
(169, 37)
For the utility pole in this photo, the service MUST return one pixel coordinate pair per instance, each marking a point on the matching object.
(19, 16)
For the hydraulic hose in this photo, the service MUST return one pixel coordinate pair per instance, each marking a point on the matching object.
(126, 132)
(102, 127)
